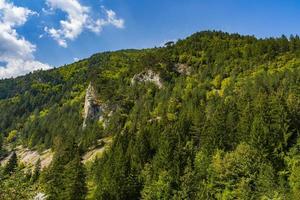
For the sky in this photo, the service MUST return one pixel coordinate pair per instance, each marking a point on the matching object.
(41, 34)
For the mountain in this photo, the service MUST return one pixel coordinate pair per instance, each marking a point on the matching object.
(212, 116)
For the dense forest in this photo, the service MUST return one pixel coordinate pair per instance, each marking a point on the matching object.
(219, 120)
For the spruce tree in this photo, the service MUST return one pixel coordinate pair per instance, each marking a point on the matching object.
(11, 164)
(37, 171)
(74, 181)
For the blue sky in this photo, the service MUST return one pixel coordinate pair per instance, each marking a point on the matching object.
(91, 26)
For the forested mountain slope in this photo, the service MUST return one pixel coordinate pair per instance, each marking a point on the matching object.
(213, 116)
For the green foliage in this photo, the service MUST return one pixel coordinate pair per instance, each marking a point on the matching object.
(227, 130)
(65, 179)
(1, 144)
(12, 164)
(36, 171)
(12, 136)
(16, 186)
(220, 133)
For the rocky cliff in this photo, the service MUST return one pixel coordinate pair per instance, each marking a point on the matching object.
(183, 69)
(92, 107)
(148, 76)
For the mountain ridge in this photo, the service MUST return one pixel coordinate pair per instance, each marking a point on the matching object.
(224, 125)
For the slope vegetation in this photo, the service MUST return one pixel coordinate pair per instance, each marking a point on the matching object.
(218, 117)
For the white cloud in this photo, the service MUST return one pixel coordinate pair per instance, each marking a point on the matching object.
(15, 50)
(48, 11)
(56, 35)
(17, 67)
(112, 19)
(78, 18)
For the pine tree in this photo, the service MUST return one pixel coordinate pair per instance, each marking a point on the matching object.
(74, 181)
(36, 172)
(188, 183)
(65, 180)
(11, 164)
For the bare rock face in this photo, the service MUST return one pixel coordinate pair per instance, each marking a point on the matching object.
(92, 107)
(40, 196)
(182, 69)
(147, 76)
(30, 157)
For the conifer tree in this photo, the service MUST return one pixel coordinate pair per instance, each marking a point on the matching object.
(11, 164)
(36, 172)
(74, 180)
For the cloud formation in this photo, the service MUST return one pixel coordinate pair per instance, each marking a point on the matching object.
(78, 18)
(16, 53)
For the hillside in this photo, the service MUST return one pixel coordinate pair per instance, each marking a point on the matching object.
(212, 116)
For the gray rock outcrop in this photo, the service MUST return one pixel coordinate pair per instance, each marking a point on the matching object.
(148, 76)
(183, 69)
(40, 196)
(92, 107)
